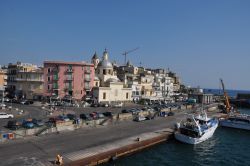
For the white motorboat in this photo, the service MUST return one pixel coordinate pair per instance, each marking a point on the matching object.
(196, 129)
(238, 121)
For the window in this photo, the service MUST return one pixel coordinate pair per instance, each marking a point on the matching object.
(126, 95)
(48, 70)
(48, 87)
(96, 84)
(104, 71)
(81, 92)
(48, 78)
(116, 92)
(104, 96)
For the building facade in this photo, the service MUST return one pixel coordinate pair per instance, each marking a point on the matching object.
(29, 84)
(3, 81)
(24, 80)
(74, 79)
(111, 88)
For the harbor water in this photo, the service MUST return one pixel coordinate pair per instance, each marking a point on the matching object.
(227, 147)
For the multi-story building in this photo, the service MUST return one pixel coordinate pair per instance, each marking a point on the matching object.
(29, 84)
(24, 80)
(74, 79)
(3, 80)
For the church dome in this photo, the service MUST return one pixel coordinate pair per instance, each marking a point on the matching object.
(105, 63)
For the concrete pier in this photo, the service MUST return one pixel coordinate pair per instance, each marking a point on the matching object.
(113, 150)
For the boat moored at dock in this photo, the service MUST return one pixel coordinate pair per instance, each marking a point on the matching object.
(196, 129)
(238, 121)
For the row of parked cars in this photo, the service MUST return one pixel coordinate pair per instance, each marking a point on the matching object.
(95, 115)
(32, 123)
(28, 123)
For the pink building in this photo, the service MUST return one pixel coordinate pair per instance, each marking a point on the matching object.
(68, 78)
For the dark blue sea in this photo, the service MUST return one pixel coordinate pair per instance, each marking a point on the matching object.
(227, 147)
(231, 93)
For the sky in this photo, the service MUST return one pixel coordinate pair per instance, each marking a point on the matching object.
(202, 41)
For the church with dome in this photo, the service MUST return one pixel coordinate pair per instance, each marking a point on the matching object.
(108, 88)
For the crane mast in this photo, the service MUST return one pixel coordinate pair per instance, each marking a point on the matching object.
(127, 52)
(226, 97)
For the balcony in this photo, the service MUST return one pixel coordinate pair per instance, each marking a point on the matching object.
(55, 87)
(55, 78)
(87, 79)
(87, 71)
(29, 80)
(87, 87)
(53, 71)
(68, 88)
(69, 71)
(68, 79)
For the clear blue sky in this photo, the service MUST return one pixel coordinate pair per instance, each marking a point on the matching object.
(200, 40)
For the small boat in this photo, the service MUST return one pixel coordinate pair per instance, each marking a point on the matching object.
(238, 121)
(196, 129)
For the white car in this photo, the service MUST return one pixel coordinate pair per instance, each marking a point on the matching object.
(4, 115)
(2, 105)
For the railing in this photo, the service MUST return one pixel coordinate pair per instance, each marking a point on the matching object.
(69, 71)
(87, 88)
(69, 78)
(33, 80)
(87, 71)
(87, 79)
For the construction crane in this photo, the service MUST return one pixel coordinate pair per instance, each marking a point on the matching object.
(127, 52)
(228, 107)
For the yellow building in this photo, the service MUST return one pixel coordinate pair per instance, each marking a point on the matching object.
(3, 78)
(25, 80)
(3, 81)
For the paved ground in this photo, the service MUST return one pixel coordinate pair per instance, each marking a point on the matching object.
(35, 111)
(41, 150)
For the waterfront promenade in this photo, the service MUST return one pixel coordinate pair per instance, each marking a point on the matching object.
(43, 149)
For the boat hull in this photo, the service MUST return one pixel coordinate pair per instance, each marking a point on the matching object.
(190, 140)
(236, 125)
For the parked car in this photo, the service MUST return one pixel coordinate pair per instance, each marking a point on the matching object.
(171, 113)
(2, 105)
(100, 115)
(71, 116)
(93, 115)
(104, 105)
(26, 102)
(4, 115)
(108, 114)
(13, 125)
(94, 105)
(63, 118)
(139, 118)
(54, 120)
(38, 123)
(28, 124)
(117, 105)
(125, 111)
(85, 117)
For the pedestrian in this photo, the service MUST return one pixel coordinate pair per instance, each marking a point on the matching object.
(59, 160)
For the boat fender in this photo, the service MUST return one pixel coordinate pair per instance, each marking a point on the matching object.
(177, 126)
